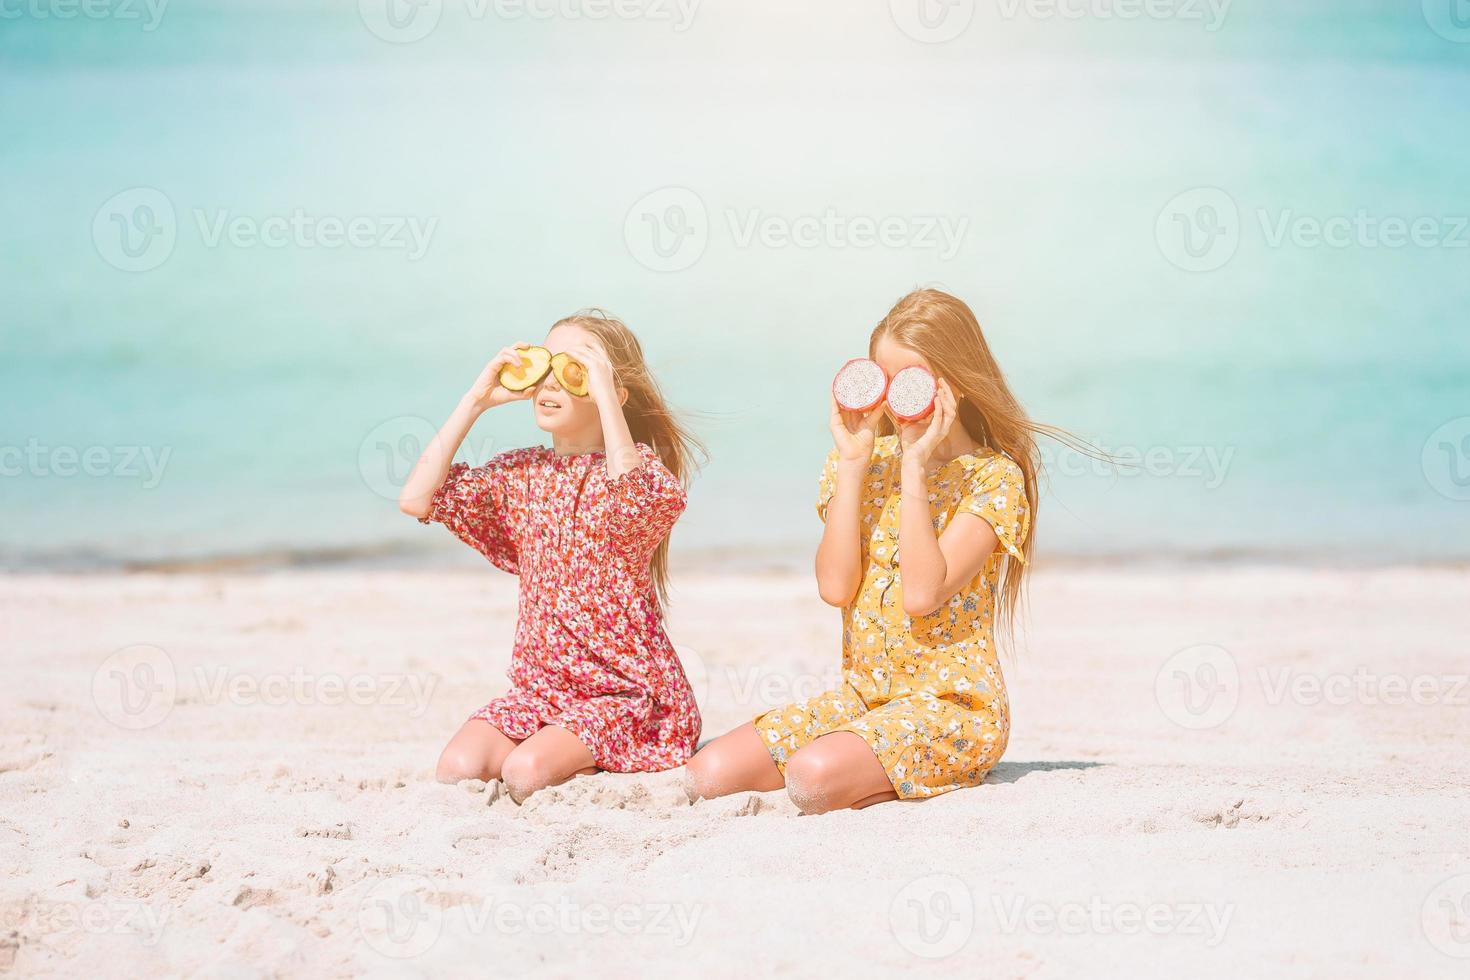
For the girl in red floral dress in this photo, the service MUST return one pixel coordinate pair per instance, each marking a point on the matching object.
(595, 682)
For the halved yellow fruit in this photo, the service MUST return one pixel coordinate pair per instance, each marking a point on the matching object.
(534, 363)
(570, 374)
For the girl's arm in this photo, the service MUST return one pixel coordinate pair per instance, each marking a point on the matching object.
(935, 567)
(417, 495)
(839, 556)
(645, 498)
(617, 441)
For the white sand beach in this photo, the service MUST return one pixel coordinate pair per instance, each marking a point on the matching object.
(250, 792)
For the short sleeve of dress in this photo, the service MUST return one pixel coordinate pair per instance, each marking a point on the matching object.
(643, 505)
(483, 505)
(827, 485)
(997, 495)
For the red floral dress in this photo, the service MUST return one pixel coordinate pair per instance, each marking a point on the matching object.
(590, 650)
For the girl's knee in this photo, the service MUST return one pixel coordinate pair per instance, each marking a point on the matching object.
(708, 775)
(811, 782)
(525, 771)
(463, 761)
(457, 763)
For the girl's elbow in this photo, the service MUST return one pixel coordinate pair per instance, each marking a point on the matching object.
(837, 579)
(834, 592)
(920, 604)
(840, 598)
(413, 507)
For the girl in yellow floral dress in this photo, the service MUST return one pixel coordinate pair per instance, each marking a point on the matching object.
(925, 547)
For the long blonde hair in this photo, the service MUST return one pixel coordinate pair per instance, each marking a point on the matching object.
(944, 329)
(650, 419)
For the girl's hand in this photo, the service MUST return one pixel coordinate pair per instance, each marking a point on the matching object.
(854, 432)
(487, 391)
(919, 441)
(602, 382)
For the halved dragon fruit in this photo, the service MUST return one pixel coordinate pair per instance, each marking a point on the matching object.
(859, 385)
(911, 394)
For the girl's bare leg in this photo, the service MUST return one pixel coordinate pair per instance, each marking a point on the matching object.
(835, 772)
(551, 756)
(735, 761)
(476, 751)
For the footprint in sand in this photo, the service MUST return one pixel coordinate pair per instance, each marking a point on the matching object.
(1232, 815)
(246, 897)
(338, 831)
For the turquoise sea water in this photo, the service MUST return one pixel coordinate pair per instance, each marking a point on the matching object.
(1292, 397)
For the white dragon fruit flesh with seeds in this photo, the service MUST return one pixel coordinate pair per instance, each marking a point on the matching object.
(911, 393)
(859, 385)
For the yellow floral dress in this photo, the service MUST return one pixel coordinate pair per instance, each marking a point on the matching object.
(925, 692)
